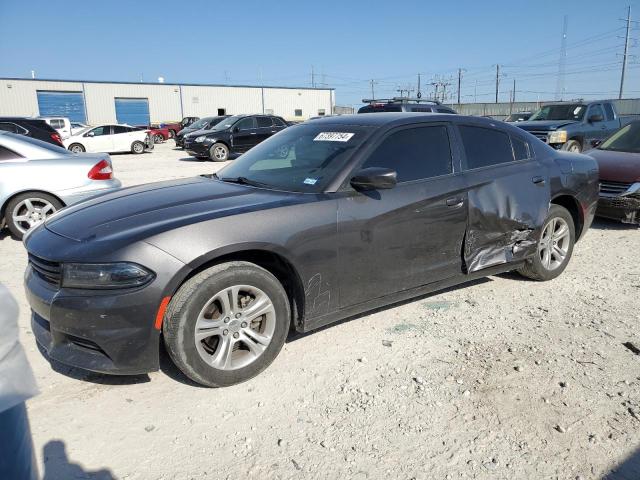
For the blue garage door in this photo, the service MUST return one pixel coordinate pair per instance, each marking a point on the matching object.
(133, 111)
(62, 104)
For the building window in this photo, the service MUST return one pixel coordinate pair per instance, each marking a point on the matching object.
(321, 112)
(222, 111)
(298, 112)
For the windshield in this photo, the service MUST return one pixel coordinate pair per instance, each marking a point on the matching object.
(303, 158)
(573, 111)
(517, 117)
(203, 122)
(627, 139)
(226, 123)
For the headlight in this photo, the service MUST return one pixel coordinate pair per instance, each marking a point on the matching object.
(559, 136)
(104, 275)
(200, 139)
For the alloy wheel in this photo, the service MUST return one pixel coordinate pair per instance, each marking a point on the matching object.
(554, 243)
(30, 212)
(220, 153)
(235, 327)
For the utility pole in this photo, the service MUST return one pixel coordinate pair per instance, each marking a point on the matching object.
(459, 82)
(514, 91)
(373, 94)
(625, 55)
(419, 93)
(562, 61)
(313, 78)
(497, 81)
(435, 84)
(475, 92)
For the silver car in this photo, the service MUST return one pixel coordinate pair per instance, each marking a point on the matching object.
(37, 179)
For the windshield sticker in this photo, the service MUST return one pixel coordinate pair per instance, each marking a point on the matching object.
(310, 181)
(333, 137)
(577, 110)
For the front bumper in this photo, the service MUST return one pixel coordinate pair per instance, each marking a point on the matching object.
(625, 209)
(198, 149)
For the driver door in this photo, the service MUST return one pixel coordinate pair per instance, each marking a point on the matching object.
(245, 135)
(99, 139)
(595, 131)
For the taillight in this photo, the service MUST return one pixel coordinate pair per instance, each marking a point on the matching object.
(56, 138)
(101, 171)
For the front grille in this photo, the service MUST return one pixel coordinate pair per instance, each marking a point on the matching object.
(49, 271)
(541, 134)
(609, 188)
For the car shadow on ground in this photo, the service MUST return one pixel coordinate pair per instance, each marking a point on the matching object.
(57, 465)
(92, 377)
(192, 159)
(5, 234)
(607, 224)
(294, 336)
(629, 469)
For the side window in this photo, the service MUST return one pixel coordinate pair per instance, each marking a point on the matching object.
(246, 124)
(264, 122)
(279, 122)
(609, 111)
(484, 146)
(520, 148)
(414, 153)
(98, 131)
(121, 129)
(6, 154)
(596, 110)
(8, 127)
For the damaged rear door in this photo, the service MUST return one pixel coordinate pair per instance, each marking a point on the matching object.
(508, 196)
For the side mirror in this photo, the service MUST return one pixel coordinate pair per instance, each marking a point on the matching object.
(89, 134)
(595, 118)
(374, 178)
(235, 130)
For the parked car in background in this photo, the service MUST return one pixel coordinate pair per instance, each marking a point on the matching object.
(365, 211)
(574, 126)
(174, 128)
(619, 160)
(518, 117)
(158, 134)
(37, 179)
(401, 104)
(206, 123)
(77, 126)
(235, 135)
(62, 125)
(110, 139)
(31, 127)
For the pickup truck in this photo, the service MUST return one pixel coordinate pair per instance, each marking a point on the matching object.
(574, 126)
(175, 127)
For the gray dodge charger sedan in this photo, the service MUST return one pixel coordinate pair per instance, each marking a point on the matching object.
(325, 220)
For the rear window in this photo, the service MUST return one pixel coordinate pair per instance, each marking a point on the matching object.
(484, 146)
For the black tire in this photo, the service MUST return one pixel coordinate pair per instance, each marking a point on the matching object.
(180, 321)
(219, 147)
(158, 138)
(573, 146)
(16, 228)
(137, 147)
(76, 148)
(533, 267)
(172, 134)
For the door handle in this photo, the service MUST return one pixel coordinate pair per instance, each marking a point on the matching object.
(538, 180)
(254, 133)
(273, 131)
(454, 201)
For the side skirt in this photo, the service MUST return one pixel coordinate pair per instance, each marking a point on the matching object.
(398, 297)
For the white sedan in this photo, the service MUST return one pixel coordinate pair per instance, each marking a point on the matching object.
(109, 139)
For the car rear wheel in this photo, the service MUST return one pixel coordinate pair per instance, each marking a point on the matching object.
(157, 138)
(172, 134)
(219, 152)
(28, 210)
(76, 148)
(555, 246)
(227, 324)
(137, 147)
(573, 146)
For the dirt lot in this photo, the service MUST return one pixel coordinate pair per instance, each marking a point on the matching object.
(502, 379)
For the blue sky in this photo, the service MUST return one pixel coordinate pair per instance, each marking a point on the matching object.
(347, 43)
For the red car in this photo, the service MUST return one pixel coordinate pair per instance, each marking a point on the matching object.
(157, 133)
(176, 127)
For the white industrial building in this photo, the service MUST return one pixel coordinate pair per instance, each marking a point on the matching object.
(95, 102)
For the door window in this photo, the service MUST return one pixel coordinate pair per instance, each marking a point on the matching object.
(6, 154)
(279, 122)
(484, 147)
(520, 149)
(596, 110)
(246, 124)
(609, 111)
(8, 127)
(56, 123)
(414, 153)
(121, 129)
(99, 131)
(264, 122)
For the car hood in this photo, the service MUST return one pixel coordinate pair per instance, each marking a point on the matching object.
(185, 131)
(544, 125)
(145, 210)
(197, 133)
(617, 166)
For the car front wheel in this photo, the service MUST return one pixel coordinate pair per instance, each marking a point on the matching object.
(227, 324)
(573, 146)
(76, 148)
(219, 152)
(554, 248)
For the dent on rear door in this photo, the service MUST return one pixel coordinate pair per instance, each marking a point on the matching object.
(506, 213)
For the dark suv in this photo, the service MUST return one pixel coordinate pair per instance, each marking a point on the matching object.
(235, 135)
(206, 123)
(404, 105)
(31, 127)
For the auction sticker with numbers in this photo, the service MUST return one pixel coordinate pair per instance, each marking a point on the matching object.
(333, 137)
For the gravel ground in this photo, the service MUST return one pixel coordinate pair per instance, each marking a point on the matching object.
(501, 379)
